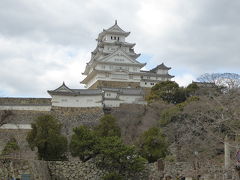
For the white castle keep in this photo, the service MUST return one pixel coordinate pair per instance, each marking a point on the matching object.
(113, 75)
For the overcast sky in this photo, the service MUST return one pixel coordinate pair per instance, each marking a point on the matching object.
(46, 42)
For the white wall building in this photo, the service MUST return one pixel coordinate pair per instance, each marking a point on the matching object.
(113, 75)
(104, 97)
(113, 64)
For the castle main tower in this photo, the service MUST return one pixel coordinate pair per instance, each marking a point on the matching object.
(113, 64)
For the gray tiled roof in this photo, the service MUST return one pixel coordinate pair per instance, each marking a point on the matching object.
(79, 92)
(87, 91)
(161, 66)
(125, 91)
(64, 90)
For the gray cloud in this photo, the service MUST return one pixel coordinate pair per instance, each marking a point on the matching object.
(46, 42)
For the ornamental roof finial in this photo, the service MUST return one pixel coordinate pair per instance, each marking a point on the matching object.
(115, 22)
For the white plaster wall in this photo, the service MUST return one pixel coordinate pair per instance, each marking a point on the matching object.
(125, 99)
(112, 103)
(142, 84)
(16, 126)
(77, 101)
(161, 71)
(110, 94)
(137, 77)
(26, 108)
(130, 98)
(91, 82)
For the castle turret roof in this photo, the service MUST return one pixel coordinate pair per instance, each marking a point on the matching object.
(115, 29)
(161, 66)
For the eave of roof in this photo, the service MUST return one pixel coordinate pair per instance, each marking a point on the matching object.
(78, 92)
(161, 66)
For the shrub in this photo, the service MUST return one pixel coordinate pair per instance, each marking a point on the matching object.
(108, 127)
(83, 143)
(46, 136)
(10, 147)
(153, 144)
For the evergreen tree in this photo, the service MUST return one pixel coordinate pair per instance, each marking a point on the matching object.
(46, 136)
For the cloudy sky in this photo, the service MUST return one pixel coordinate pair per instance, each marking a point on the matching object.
(46, 42)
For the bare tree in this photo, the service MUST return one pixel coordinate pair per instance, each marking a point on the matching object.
(228, 80)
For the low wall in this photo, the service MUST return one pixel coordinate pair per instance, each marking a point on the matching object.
(26, 104)
(25, 101)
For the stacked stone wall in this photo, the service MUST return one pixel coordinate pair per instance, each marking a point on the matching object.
(69, 117)
(37, 170)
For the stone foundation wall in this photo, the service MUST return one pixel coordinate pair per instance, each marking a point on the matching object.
(69, 117)
(38, 170)
(73, 170)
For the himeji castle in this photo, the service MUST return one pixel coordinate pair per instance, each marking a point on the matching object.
(113, 75)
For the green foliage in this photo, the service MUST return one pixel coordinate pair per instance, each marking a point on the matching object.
(108, 127)
(106, 146)
(168, 91)
(167, 115)
(153, 144)
(84, 143)
(46, 136)
(112, 176)
(118, 157)
(10, 147)
(192, 88)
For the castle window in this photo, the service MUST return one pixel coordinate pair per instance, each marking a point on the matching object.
(111, 37)
(152, 83)
(118, 38)
(145, 83)
(115, 37)
(108, 94)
